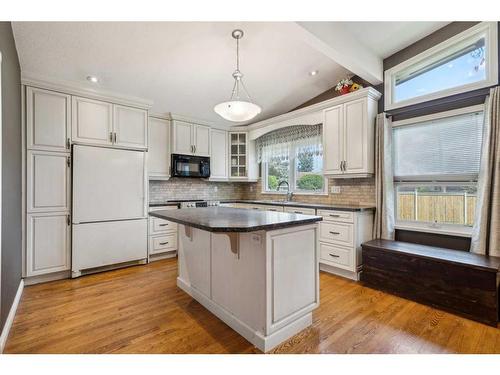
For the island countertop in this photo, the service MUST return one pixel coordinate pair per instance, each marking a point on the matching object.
(226, 219)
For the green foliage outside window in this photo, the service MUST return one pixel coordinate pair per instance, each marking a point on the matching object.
(310, 182)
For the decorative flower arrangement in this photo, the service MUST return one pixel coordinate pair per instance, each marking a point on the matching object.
(343, 86)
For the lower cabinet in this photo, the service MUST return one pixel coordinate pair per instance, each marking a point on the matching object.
(48, 243)
(162, 236)
(341, 234)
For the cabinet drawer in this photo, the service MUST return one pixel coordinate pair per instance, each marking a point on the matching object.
(343, 216)
(161, 244)
(157, 225)
(338, 256)
(300, 210)
(265, 207)
(337, 233)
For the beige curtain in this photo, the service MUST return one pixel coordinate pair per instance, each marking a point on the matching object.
(384, 182)
(486, 230)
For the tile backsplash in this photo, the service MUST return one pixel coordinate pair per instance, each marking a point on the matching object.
(193, 188)
(354, 191)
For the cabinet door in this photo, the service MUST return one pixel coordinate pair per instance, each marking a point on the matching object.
(47, 120)
(131, 127)
(182, 134)
(194, 259)
(355, 137)
(333, 136)
(218, 157)
(92, 121)
(48, 243)
(159, 148)
(201, 136)
(48, 181)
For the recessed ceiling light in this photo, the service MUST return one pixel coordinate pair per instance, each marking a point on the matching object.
(92, 79)
(313, 72)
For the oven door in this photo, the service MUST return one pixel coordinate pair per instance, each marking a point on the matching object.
(190, 166)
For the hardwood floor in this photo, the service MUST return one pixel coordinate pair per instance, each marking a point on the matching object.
(140, 310)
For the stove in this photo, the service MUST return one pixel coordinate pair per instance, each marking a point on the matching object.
(198, 203)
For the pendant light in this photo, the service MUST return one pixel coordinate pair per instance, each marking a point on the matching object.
(238, 109)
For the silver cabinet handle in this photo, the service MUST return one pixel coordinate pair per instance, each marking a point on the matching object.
(336, 233)
(111, 137)
(194, 149)
(332, 215)
(68, 161)
(114, 137)
(255, 208)
(163, 225)
(68, 220)
(333, 255)
(68, 143)
(163, 243)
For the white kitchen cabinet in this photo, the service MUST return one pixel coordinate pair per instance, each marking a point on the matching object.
(190, 139)
(348, 139)
(47, 243)
(48, 120)
(130, 126)
(163, 236)
(92, 121)
(159, 149)
(201, 137)
(48, 181)
(299, 210)
(341, 234)
(218, 156)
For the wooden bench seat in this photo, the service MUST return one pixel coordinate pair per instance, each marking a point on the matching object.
(460, 282)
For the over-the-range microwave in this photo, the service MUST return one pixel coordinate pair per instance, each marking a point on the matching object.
(190, 166)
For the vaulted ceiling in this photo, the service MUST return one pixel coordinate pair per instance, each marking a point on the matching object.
(185, 67)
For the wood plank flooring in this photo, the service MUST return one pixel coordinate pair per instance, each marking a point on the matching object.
(140, 310)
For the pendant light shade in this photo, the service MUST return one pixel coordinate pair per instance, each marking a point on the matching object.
(237, 109)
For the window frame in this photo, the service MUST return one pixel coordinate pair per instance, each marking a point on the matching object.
(291, 178)
(491, 43)
(430, 227)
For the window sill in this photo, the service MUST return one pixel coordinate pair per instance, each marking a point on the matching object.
(294, 194)
(446, 230)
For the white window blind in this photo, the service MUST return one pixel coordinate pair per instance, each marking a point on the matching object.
(443, 149)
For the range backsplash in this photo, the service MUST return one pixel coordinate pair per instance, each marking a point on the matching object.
(194, 188)
(355, 191)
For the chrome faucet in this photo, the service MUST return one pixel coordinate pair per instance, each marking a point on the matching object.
(289, 194)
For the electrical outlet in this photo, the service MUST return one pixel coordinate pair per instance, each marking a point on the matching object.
(216, 188)
(335, 189)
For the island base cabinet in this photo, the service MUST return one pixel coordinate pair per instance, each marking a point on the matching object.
(263, 284)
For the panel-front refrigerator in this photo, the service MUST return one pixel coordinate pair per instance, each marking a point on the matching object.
(109, 207)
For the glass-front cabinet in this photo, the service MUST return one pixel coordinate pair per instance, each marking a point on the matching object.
(238, 154)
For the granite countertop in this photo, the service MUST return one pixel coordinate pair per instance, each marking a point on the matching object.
(227, 219)
(338, 207)
(159, 204)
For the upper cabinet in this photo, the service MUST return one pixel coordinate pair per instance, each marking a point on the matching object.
(130, 126)
(92, 121)
(159, 149)
(48, 120)
(97, 122)
(348, 138)
(190, 139)
(218, 156)
(238, 155)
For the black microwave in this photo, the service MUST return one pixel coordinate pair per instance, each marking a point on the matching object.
(190, 166)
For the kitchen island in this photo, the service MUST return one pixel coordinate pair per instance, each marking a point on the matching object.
(257, 271)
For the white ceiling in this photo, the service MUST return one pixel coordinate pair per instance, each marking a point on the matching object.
(386, 38)
(185, 67)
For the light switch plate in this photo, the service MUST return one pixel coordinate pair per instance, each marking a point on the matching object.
(335, 189)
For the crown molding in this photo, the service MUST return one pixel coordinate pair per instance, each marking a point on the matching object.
(369, 92)
(77, 88)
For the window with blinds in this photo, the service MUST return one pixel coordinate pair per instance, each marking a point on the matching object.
(436, 165)
(446, 149)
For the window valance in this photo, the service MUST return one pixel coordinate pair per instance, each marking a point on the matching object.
(278, 143)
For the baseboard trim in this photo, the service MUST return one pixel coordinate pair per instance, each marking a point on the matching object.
(11, 316)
